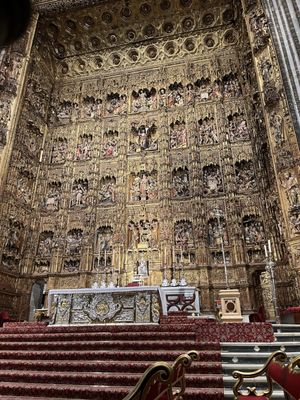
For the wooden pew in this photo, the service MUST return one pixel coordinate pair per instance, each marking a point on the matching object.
(276, 369)
(162, 381)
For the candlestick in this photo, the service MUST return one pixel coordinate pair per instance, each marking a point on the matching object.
(173, 254)
(104, 258)
(181, 258)
(165, 258)
(269, 246)
(266, 251)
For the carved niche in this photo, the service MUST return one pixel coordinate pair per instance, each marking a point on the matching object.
(217, 231)
(45, 244)
(143, 233)
(116, 104)
(237, 127)
(253, 229)
(144, 100)
(245, 176)
(74, 241)
(183, 234)
(143, 138)
(59, 150)
(79, 193)
(178, 134)
(107, 193)
(84, 147)
(180, 182)
(53, 196)
(144, 186)
(207, 131)
(110, 143)
(212, 179)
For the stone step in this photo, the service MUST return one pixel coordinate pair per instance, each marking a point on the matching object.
(289, 346)
(249, 357)
(287, 337)
(286, 327)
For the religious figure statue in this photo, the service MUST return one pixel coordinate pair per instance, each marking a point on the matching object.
(74, 240)
(143, 137)
(238, 129)
(144, 100)
(254, 231)
(290, 183)
(181, 183)
(116, 104)
(59, 151)
(276, 123)
(79, 193)
(207, 131)
(212, 179)
(110, 142)
(83, 149)
(178, 134)
(45, 244)
(245, 177)
(107, 190)
(175, 96)
(143, 267)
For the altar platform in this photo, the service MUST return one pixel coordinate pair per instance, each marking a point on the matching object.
(141, 304)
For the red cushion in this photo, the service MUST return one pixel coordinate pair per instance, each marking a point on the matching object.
(287, 379)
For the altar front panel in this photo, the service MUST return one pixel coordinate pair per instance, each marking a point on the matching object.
(90, 306)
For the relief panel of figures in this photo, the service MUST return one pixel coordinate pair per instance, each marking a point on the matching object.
(144, 186)
(143, 233)
(143, 137)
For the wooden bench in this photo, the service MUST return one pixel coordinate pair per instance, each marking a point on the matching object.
(277, 369)
(162, 381)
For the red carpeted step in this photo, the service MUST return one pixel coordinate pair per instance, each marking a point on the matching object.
(133, 355)
(101, 366)
(100, 345)
(128, 336)
(99, 378)
(101, 361)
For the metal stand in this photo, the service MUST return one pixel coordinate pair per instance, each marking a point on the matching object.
(218, 214)
(270, 264)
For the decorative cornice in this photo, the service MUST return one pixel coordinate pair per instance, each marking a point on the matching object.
(46, 7)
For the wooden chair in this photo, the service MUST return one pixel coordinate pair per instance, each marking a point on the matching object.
(162, 381)
(277, 369)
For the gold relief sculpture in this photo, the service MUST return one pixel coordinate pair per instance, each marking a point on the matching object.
(134, 147)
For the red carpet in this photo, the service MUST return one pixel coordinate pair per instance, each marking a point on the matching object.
(105, 361)
(100, 362)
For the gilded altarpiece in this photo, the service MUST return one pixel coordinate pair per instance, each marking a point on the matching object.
(152, 133)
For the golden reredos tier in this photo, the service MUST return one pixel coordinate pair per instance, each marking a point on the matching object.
(142, 145)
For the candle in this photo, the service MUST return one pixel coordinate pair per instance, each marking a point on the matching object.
(181, 259)
(105, 258)
(165, 251)
(269, 246)
(173, 254)
(266, 252)
(119, 258)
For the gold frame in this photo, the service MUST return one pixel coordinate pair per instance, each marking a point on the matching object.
(163, 374)
(240, 376)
